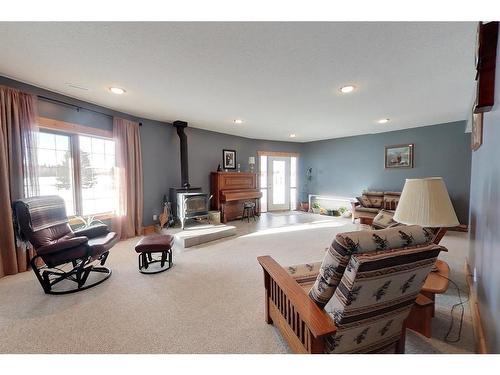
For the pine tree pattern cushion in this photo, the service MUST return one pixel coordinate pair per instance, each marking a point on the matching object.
(304, 274)
(375, 296)
(346, 244)
(384, 219)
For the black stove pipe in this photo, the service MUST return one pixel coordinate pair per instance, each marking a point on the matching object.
(180, 125)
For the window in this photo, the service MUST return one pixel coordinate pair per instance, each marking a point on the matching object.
(97, 162)
(80, 169)
(293, 183)
(263, 182)
(55, 168)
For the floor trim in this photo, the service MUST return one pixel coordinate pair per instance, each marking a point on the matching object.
(479, 338)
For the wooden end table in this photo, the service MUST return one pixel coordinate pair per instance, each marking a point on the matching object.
(421, 314)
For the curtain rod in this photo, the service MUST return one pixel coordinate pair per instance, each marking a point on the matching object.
(75, 106)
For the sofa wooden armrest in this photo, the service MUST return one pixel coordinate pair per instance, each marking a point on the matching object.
(288, 306)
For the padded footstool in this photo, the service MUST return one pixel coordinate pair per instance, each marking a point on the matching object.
(159, 244)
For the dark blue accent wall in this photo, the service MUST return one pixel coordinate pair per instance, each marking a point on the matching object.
(484, 253)
(347, 166)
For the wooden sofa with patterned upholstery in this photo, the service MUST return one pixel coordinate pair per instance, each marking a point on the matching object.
(369, 204)
(357, 299)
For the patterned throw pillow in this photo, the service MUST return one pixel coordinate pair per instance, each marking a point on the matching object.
(364, 201)
(345, 244)
(384, 219)
(375, 198)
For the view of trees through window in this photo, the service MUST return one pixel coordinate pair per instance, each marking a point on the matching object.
(78, 168)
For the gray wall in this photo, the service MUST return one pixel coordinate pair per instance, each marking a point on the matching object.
(484, 254)
(343, 166)
(346, 166)
(160, 145)
(161, 159)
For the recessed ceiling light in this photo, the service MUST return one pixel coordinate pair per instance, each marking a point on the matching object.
(347, 89)
(238, 121)
(292, 135)
(117, 90)
(383, 121)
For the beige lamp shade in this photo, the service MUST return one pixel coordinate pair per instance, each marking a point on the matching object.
(251, 160)
(425, 202)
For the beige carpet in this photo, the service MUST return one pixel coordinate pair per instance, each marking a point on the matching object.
(211, 301)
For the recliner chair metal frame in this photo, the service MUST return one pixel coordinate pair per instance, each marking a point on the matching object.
(63, 254)
(79, 273)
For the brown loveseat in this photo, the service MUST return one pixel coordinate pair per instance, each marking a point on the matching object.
(370, 203)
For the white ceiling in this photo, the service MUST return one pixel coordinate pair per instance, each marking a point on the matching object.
(280, 78)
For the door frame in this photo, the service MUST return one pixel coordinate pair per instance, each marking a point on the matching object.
(270, 188)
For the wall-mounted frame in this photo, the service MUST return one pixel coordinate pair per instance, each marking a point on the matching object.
(399, 156)
(476, 139)
(229, 159)
(486, 53)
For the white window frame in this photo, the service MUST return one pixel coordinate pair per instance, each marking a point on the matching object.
(73, 131)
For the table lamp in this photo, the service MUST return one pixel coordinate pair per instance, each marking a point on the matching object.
(251, 163)
(425, 202)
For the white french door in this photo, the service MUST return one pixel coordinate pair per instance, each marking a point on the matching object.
(278, 177)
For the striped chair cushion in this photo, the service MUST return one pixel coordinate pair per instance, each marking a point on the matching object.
(358, 242)
(375, 296)
(45, 211)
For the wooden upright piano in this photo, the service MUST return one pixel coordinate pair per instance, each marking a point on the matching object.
(230, 190)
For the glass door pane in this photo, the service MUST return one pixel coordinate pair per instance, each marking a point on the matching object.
(278, 183)
(279, 186)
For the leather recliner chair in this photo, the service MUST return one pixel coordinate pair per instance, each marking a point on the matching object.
(67, 255)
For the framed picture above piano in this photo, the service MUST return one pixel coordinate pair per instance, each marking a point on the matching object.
(229, 159)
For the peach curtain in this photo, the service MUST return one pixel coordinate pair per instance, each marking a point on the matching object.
(18, 170)
(128, 222)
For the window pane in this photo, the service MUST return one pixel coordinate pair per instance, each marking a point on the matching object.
(109, 147)
(263, 200)
(278, 184)
(263, 171)
(293, 199)
(293, 171)
(98, 145)
(55, 168)
(46, 140)
(97, 170)
(62, 142)
(85, 144)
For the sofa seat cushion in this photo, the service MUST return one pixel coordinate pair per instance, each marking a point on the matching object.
(368, 210)
(304, 274)
(346, 244)
(65, 256)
